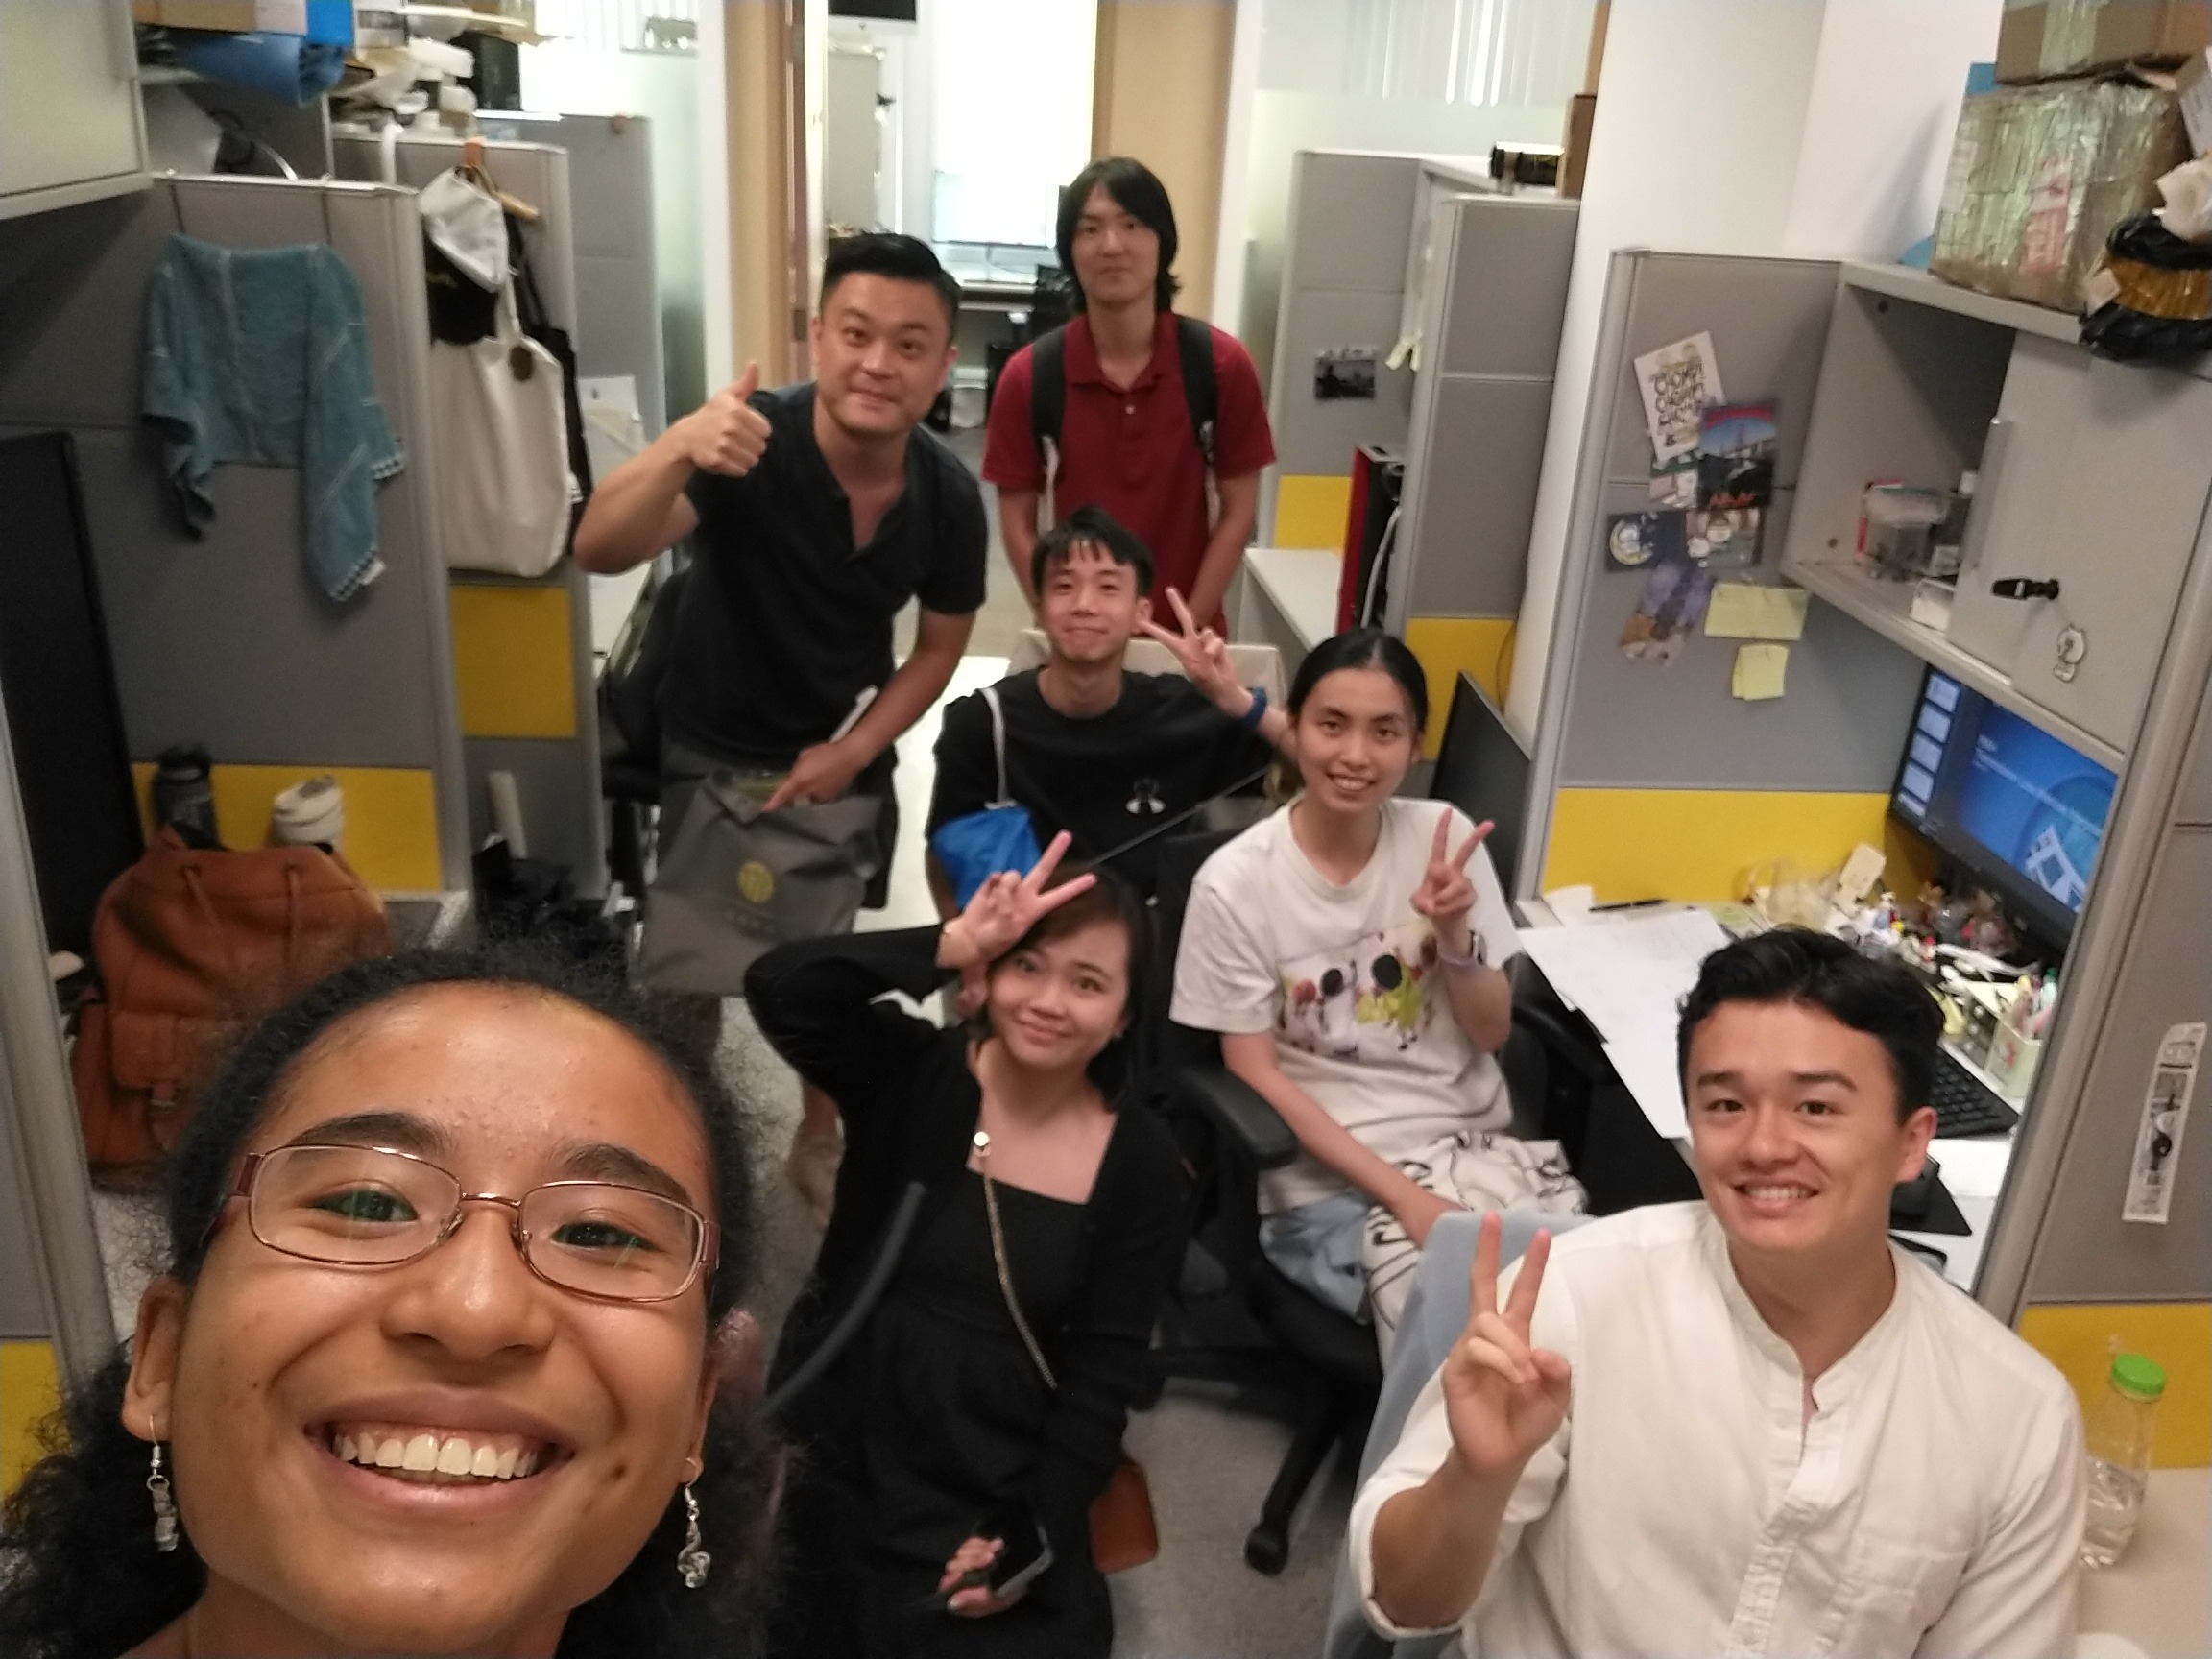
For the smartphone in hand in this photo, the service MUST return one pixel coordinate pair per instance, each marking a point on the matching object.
(1025, 1552)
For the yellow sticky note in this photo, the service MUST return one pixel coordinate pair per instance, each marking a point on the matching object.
(1747, 611)
(1760, 670)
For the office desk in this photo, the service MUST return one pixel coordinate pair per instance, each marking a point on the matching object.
(1285, 597)
(1972, 1169)
(2155, 1596)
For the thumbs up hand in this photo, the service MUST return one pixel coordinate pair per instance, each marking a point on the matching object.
(726, 434)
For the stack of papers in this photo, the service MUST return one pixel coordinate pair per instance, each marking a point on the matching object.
(1628, 979)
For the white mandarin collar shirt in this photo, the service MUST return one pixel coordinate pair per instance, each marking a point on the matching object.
(1932, 1504)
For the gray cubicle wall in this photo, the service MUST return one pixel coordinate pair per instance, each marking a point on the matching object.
(1481, 403)
(225, 641)
(1652, 754)
(501, 645)
(1344, 284)
(53, 1290)
(619, 322)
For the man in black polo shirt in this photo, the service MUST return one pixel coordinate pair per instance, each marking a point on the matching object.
(1094, 749)
(819, 511)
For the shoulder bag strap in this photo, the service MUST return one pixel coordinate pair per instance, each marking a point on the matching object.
(998, 1260)
(997, 743)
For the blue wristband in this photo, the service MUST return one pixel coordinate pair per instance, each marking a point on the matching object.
(1251, 718)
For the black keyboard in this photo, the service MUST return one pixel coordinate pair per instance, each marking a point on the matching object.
(1964, 1105)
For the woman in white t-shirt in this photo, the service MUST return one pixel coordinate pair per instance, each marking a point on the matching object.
(1348, 949)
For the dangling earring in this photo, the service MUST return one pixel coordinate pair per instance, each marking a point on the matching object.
(165, 1531)
(693, 1560)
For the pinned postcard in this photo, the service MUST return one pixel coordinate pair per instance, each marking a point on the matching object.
(1635, 540)
(1722, 539)
(1674, 483)
(1736, 444)
(1743, 611)
(1677, 381)
(1760, 672)
(1675, 595)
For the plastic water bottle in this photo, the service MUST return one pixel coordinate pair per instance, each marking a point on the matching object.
(2119, 1433)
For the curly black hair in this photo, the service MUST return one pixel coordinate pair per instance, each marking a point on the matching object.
(79, 1577)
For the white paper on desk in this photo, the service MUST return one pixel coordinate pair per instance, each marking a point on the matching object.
(1645, 1064)
(1628, 978)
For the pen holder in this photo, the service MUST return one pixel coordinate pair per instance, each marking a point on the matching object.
(2012, 1060)
(1982, 1027)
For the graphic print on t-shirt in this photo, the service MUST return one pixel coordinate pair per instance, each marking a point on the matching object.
(1363, 1001)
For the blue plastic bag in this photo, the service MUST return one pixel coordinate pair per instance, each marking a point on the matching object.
(973, 849)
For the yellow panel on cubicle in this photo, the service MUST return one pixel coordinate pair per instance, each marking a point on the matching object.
(1699, 844)
(391, 816)
(513, 661)
(30, 1389)
(1480, 646)
(1311, 509)
(2077, 1337)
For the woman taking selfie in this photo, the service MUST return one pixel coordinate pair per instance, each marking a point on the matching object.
(950, 1450)
(430, 1369)
(1348, 950)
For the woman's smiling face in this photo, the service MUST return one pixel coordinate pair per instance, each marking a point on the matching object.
(271, 1376)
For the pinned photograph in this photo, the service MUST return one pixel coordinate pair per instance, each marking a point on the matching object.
(1722, 539)
(1736, 446)
(1675, 595)
(1677, 381)
(1344, 373)
(1635, 540)
(1674, 483)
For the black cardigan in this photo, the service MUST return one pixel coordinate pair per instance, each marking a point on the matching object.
(910, 1104)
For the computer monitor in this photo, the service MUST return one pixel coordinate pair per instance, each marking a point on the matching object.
(2021, 810)
(1483, 770)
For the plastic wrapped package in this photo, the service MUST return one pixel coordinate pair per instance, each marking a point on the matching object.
(2151, 297)
(2039, 176)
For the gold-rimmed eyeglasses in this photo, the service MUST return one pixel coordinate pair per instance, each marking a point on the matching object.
(378, 1207)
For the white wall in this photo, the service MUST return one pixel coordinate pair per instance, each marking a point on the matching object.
(1878, 132)
(1816, 128)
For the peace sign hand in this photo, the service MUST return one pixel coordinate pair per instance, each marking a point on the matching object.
(1006, 907)
(1203, 654)
(1446, 894)
(1502, 1398)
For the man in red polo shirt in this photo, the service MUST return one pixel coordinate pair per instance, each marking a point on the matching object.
(1126, 441)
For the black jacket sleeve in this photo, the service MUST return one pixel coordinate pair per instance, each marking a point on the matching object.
(967, 769)
(816, 1002)
(1098, 1354)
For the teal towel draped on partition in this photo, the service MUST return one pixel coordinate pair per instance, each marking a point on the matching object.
(262, 355)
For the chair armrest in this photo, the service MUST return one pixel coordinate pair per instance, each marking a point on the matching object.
(1562, 1044)
(1235, 1109)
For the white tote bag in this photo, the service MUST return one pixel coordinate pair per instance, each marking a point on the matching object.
(503, 484)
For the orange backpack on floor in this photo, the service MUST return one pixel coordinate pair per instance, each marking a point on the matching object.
(191, 947)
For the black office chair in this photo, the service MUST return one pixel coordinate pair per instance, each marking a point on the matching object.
(1236, 1318)
(630, 729)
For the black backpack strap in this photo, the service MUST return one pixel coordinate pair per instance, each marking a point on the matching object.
(1194, 340)
(1048, 386)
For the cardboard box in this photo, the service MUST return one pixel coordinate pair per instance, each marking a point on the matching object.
(2193, 83)
(2039, 39)
(328, 21)
(1574, 156)
(2039, 176)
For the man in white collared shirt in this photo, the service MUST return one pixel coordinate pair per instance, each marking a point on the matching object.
(1750, 1425)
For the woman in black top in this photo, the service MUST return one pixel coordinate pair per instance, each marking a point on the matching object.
(937, 1415)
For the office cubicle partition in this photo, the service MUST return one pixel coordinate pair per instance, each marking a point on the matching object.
(1652, 781)
(522, 645)
(223, 639)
